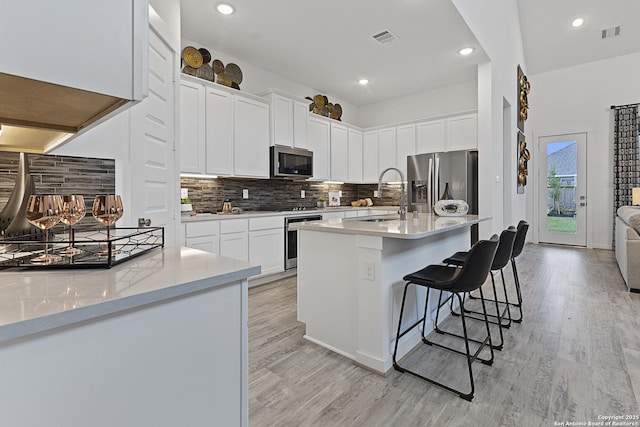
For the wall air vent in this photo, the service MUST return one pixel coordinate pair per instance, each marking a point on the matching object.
(611, 32)
(384, 37)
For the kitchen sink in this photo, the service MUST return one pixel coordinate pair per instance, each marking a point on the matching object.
(376, 218)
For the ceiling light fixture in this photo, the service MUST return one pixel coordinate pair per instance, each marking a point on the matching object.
(225, 8)
(466, 51)
(577, 22)
(363, 82)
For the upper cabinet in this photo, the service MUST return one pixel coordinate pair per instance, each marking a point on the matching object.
(288, 120)
(405, 146)
(318, 138)
(462, 132)
(234, 127)
(339, 153)
(370, 157)
(387, 154)
(355, 156)
(98, 65)
(430, 136)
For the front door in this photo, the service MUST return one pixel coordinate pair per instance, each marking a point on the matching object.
(562, 196)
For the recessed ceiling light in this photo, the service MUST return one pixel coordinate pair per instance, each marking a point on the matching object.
(224, 8)
(577, 22)
(363, 81)
(466, 51)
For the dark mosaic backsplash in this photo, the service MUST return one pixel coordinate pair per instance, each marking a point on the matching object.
(61, 175)
(207, 195)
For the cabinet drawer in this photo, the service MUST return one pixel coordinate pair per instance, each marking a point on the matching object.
(266, 223)
(233, 226)
(204, 228)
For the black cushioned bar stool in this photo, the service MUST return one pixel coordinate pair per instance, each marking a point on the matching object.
(518, 245)
(456, 280)
(503, 255)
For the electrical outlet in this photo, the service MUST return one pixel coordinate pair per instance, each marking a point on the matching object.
(375, 193)
(369, 271)
(245, 193)
(339, 193)
(302, 194)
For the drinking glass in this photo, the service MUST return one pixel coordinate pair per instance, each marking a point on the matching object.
(44, 211)
(73, 210)
(107, 209)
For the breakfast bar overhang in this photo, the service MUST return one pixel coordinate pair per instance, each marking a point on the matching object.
(350, 280)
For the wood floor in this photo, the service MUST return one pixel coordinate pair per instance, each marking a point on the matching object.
(575, 357)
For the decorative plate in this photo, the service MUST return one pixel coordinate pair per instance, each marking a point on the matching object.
(192, 57)
(451, 208)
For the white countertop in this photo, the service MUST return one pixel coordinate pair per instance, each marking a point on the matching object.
(34, 301)
(413, 228)
(256, 214)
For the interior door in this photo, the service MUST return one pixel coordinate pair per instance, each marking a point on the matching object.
(562, 183)
(152, 169)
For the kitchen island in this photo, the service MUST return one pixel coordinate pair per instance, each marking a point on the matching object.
(160, 340)
(350, 280)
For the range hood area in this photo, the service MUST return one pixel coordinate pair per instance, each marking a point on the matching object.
(38, 116)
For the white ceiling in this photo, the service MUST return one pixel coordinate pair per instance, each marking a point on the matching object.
(551, 43)
(328, 45)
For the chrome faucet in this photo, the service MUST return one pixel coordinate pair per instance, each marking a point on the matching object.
(403, 207)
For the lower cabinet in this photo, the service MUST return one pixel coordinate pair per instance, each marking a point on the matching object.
(234, 239)
(203, 235)
(266, 248)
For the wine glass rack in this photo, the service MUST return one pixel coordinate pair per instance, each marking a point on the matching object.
(121, 245)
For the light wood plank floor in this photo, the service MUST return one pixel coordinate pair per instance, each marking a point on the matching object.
(576, 356)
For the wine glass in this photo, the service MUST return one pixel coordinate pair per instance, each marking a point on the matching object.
(44, 211)
(107, 209)
(73, 210)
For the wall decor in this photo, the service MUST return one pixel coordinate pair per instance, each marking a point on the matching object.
(523, 159)
(320, 105)
(524, 87)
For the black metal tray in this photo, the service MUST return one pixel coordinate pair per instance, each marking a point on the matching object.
(97, 251)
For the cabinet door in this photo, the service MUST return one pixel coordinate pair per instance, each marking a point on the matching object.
(355, 156)
(339, 153)
(204, 243)
(282, 120)
(266, 248)
(235, 245)
(318, 133)
(387, 153)
(462, 132)
(300, 113)
(192, 128)
(405, 146)
(219, 135)
(251, 138)
(370, 157)
(430, 137)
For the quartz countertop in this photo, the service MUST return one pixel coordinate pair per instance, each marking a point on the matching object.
(391, 226)
(257, 214)
(35, 301)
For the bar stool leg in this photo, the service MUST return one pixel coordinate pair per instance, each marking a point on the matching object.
(516, 280)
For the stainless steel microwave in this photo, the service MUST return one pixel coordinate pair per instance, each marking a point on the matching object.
(287, 162)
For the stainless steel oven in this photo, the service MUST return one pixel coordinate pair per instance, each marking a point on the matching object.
(291, 239)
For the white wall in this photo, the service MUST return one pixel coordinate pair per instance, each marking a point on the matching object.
(442, 101)
(578, 99)
(256, 79)
(496, 25)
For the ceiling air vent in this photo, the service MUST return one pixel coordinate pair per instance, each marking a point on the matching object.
(611, 32)
(384, 37)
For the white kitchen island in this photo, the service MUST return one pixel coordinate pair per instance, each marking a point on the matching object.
(350, 280)
(159, 340)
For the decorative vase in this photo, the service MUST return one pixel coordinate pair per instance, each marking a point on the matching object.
(446, 194)
(321, 204)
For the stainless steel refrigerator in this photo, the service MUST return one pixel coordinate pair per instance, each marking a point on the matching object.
(428, 175)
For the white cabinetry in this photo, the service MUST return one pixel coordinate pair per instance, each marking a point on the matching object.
(355, 156)
(339, 153)
(405, 146)
(219, 132)
(370, 157)
(430, 136)
(251, 138)
(204, 235)
(462, 132)
(266, 243)
(318, 136)
(234, 239)
(192, 127)
(332, 215)
(288, 120)
(387, 154)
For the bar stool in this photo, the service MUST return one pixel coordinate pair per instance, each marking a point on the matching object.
(456, 280)
(503, 255)
(518, 245)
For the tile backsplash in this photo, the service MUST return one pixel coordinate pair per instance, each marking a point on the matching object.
(207, 195)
